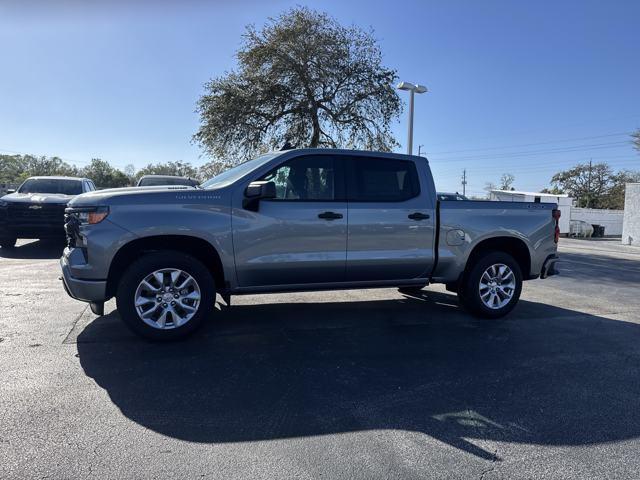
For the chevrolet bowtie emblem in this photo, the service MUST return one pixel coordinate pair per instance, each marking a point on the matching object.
(35, 207)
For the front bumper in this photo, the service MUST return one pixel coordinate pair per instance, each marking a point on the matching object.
(84, 290)
(549, 267)
(31, 231)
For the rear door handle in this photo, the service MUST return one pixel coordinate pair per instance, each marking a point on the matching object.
(330, 215)
(418, 216)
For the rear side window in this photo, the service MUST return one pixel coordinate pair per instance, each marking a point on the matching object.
(382, 180)
(310, 178)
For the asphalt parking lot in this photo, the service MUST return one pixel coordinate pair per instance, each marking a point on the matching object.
(360, 384)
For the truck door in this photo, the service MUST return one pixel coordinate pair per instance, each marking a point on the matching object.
(299, 237)
(391, 219)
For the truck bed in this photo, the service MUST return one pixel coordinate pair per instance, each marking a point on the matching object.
(463, 225)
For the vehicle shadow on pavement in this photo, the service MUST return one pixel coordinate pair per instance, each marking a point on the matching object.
(605, 269)
(545, 375)
(36, 250)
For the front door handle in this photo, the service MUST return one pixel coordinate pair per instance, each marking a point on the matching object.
(330, 215)
(418, 216)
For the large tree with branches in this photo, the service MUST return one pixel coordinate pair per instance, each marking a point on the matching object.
(305, 80)
(594, 185)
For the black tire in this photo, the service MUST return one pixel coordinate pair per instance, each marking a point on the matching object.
(149, 263)
(8, 242)
(469, 291)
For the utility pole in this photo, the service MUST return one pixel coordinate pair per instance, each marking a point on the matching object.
(589, 185)
(464, 182)
(420, 150)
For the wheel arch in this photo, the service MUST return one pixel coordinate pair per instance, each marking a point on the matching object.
(196, 247)
(513, 246)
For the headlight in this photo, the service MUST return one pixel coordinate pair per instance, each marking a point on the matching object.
(89, 215)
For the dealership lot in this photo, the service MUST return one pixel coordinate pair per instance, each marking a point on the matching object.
(351, 384)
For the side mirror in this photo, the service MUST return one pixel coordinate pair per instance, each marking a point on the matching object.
(257, 191)
(11, 190)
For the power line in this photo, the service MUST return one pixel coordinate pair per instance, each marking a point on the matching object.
(538, 167)
(600, 122)
(532, 144)
(526, 153)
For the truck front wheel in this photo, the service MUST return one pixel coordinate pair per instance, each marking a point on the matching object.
(165, 295)
(492, 286)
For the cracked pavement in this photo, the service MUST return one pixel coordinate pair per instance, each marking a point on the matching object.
(353, 384)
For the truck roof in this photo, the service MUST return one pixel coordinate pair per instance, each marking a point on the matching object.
(56, 177)
(344, 151)
(165, 176)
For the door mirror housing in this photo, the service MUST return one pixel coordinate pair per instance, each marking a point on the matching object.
(257, 191)
(11, 190)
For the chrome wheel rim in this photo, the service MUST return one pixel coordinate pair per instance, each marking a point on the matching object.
(497, 286)
(167, 298)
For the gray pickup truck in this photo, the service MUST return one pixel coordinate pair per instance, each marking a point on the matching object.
(309, 219)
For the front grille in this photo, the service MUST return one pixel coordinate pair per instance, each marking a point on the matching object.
(71, 228)
(36, 214)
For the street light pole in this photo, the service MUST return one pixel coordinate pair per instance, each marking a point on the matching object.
(413, 89)
(410, 134)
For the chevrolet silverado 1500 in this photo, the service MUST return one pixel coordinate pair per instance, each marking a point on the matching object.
(36, 209)
(308, 219)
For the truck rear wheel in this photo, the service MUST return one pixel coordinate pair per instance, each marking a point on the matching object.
(165, 295)
(492, 287)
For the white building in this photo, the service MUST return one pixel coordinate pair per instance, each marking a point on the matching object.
(611, 220)
(563, 200)
(631, 228)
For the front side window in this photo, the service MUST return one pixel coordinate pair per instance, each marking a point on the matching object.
(383, 180)
(306, 178)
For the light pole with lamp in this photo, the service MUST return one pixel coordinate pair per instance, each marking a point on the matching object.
(413, 89)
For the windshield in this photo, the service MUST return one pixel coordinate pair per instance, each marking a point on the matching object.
(51, 185)
(237, 172)
(153, 181)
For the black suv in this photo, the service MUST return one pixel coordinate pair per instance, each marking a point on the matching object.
(36, 209)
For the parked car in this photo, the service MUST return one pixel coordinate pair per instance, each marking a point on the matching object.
(446, 197)
(306, 219)
(156, 180)
(36, 208)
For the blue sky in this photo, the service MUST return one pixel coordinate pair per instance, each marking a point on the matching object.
(521, 87)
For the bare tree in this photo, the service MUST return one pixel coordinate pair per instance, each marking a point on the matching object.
(506, 181)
